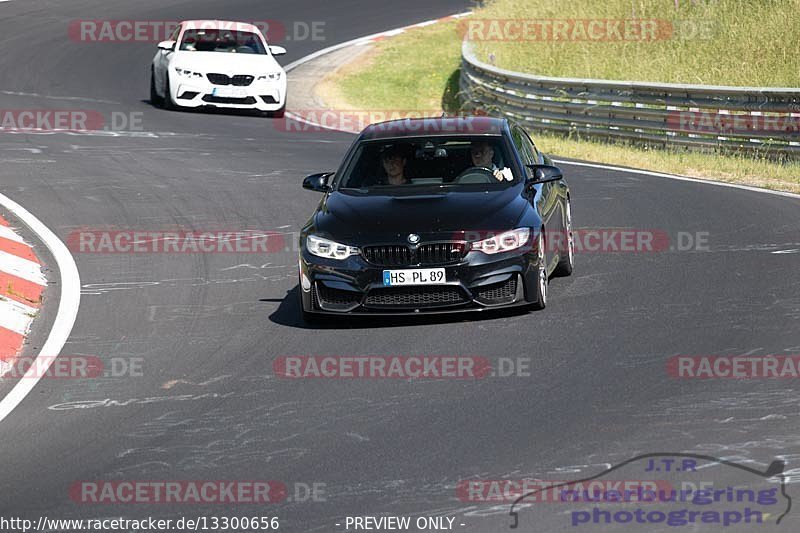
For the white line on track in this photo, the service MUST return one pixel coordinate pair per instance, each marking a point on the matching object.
(677, 177)
(68, 304)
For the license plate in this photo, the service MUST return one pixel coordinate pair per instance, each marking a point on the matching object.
(417, 276)
(229, 92)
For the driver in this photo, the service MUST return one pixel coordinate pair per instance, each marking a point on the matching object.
(394, 164)
(482, 153)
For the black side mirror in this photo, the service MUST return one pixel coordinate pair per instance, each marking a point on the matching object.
(543, 174)
(318, 182)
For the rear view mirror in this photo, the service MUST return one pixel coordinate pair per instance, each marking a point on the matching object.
(166, 45)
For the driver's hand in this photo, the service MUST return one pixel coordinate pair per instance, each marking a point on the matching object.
(504, 174)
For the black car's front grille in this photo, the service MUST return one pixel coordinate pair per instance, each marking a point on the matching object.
(441, 253)
(335, 299)
(394, 255)
(497, 293)
(415, 296)
(241, 80)
(220, 100)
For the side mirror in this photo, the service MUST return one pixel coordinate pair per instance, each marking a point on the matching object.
(318, 182)
(277, 50)
(166, 45)
(543, 174)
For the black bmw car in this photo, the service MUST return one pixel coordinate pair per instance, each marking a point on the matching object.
(436, 215)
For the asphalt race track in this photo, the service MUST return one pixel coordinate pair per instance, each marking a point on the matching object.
(207, 327)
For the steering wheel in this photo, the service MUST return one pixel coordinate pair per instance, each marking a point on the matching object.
(476, 175)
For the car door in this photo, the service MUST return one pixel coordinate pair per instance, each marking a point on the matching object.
(162, 61)
(546, 199)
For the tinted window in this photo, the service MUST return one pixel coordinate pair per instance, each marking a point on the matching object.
(222, 40)
(523, 146)
(527, 142)
(427, 161)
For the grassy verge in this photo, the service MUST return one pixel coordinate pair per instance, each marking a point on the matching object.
(418, 70)
(710, 42)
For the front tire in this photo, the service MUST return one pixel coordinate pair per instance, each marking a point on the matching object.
(540, 300)
(154, 98)
(277, 113)
(169, 103)
(565, 266)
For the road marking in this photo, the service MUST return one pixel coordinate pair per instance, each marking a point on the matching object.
(360, 40)
(21, 268)
(17, 317)
(20, 290)
(678, 177)
(18, 249)
(68, 305)
(10, 341)
(9, 234)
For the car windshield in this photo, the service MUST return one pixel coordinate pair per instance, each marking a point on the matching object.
(222, 40)
(478, 162)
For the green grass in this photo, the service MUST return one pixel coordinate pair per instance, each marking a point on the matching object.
(742, 169)
(418, 70)
(414, 71)
(749, 42)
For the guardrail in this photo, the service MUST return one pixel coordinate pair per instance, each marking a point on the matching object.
(751, 119)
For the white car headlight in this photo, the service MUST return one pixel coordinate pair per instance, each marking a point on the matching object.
(329, 249)
(505, 242)
(272, 76)
(188, 73)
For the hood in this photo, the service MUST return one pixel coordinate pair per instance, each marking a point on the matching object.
(365, 218)
(226, 62)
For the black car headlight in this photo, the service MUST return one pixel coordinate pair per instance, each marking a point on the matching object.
(329, 249)
(504, 242)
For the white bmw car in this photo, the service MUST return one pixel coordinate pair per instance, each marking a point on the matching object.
(214, 63)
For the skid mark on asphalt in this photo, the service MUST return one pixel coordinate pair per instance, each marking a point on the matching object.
(254, 267)
(110, 402)
(99, 289)
(52, 97)
(219, 438)
(171, 383)
(171, 312)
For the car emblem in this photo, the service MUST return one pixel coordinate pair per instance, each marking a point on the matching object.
(413, 238)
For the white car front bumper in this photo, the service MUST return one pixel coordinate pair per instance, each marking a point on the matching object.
(263, 95)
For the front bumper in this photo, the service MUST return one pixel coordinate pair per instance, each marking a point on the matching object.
(478, 282)
(262, 95)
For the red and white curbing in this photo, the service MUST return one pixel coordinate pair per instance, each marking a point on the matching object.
(21, 285)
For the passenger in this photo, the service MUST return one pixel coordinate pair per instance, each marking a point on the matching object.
(394, 161)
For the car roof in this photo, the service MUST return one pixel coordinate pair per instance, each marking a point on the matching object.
(220, 24)
(434, 126)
